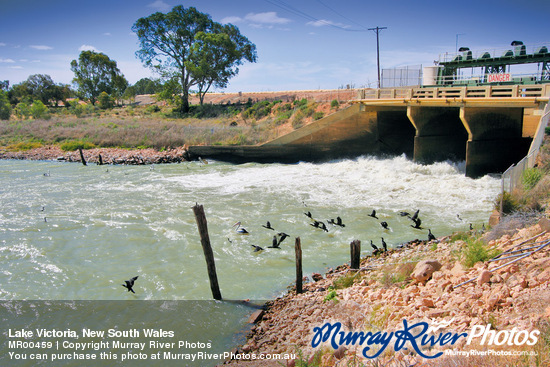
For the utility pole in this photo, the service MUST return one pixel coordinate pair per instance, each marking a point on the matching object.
(377, 30)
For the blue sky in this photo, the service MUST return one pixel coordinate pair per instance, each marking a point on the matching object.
(301, 44)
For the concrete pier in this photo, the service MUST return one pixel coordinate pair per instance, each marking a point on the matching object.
(487, 128)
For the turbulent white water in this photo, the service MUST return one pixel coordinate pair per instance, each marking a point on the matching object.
(74, 232)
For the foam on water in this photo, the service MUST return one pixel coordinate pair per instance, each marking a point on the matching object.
(106, 224)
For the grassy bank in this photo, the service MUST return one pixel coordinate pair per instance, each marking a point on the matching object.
(159, 127)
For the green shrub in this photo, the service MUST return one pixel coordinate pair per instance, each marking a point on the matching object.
(331, 296)
(105, 101)
(76, 144)
(298, 119)
(345, 281)
(510, 203)
(334, 104)
(5, 107)
(39, 110)
(281, 119)
(530, 177)
(318, 115)
(547, 130)
(475, 251)
(22, 110)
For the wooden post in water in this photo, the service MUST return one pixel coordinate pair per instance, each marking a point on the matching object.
(355, 248)
(298, 251)
(82, 156)
(207, 249)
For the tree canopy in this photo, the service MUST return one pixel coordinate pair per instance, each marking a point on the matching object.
(94, 73)
(188, 45)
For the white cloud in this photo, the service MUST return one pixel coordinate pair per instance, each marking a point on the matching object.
(88, 48)
(16, 67)
(324, 22)
(231, 20)
(107, 34)
(270, 17)
(10, 61)
(41, 47)
(159, 5)
(2, 44)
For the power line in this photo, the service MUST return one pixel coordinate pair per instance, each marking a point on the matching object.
(289, 8)
(337, 13)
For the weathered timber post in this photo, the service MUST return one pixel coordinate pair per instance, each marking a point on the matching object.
(355, 248)
(298, 251)
(82, 156)
(208, 254)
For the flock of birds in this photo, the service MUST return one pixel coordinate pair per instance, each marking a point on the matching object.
(279, 237)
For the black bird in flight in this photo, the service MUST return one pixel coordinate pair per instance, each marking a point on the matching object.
(337, 222)
(268, 226)
(129, 284)
(308, 214)
(373, 214)
(385, 225)
(275, 243)
(415, 216)
(321, 225)
(282, 237)
(257, 248)
(417, 223)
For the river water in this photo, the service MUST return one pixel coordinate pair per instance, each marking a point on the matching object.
(73, 232)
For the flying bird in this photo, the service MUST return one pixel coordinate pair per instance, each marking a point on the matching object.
(275, 243)
(308, 214)
(268, 226)
(337, 222)
(282, 237)
(373, 214)
(320, 225)
(417, 223)
(385, 225)
(257, 248)
(129, 284)
(415, 216)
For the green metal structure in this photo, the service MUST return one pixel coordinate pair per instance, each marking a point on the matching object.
(449, 71)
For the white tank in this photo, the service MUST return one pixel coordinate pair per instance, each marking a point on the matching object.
(429, 75)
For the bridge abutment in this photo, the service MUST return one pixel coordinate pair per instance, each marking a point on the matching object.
(440, 134)
(494, 138)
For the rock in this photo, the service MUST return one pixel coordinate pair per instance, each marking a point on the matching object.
(424, 270)
(544, 224)
(427, 302)
(340, 352)
(256, 316)
(544, 276)
(316, 277)
(494, 219)
(484, 277)
(457, 270)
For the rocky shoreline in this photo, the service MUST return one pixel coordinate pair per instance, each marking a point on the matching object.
(436, 288)
(108, 155)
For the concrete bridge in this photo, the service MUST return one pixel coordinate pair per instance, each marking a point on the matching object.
(490, 127)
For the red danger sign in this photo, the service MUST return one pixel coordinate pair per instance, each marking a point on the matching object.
(501, 77)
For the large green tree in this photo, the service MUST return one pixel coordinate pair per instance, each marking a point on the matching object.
(187, 44)
(94, 73)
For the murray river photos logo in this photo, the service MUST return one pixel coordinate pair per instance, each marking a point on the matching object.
(420, 336)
